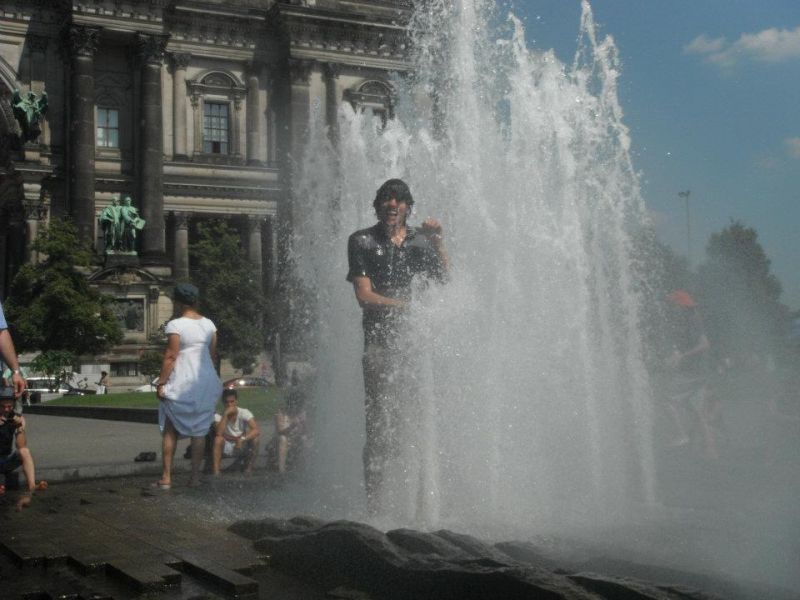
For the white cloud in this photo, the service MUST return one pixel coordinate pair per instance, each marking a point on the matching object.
(704, 45)
(793, 146)
(769, 46)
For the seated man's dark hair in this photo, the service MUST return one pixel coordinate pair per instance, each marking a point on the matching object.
(393, 188)
(229, 392)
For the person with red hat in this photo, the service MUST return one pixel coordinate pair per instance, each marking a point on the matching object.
(687, 367)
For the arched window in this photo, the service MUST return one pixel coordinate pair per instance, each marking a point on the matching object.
(375, 96)
(216, 100)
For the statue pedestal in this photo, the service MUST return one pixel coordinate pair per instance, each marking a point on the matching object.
(121, 260)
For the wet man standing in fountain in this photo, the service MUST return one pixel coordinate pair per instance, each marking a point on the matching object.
(383, 260)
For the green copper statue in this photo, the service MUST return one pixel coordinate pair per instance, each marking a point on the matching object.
(121, 224)
(130, 224)
(28, 111)
(109, 222)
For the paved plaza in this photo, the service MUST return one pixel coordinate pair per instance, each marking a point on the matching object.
(101, 531)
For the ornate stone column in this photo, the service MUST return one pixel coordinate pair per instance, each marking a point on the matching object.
(236, 127)
(254, 133)
(331, 74)
(254, 228)
(179, 64)
(300, 78)
(181, 245)
(82, 43)
(151, 199)
(35, 211)
(197, 119)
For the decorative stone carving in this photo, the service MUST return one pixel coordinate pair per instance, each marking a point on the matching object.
(150, 48)
(300, 70)
(371, 94)
(82, 40)
(252, 68)
(332, 70)
(216, 82)
(34, 210)
(181, 220)
(255, 224)
(180, 60)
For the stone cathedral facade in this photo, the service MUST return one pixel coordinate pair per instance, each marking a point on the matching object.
(194, 108)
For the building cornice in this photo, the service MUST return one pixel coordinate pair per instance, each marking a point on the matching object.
(350, 38)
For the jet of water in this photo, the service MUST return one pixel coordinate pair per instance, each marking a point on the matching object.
(533, 404)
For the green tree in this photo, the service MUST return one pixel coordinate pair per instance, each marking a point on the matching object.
(54, 363)
(51, 305)
(229, 292)
(150, 364)
(739, 294)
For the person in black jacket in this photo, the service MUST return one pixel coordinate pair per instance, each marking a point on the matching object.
(383, 261)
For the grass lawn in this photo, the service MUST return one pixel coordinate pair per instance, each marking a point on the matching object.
(263, 403)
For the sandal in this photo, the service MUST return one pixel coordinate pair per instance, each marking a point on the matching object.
(160, 485)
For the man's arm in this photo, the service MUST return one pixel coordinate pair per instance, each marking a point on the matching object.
(432, 229)
(252, 430)
(9, 355)
(366, 296)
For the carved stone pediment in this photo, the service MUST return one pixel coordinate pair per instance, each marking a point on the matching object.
(216, 82)
(123, 276)
(371, 93)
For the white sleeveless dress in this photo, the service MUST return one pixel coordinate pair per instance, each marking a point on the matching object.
(193, 388)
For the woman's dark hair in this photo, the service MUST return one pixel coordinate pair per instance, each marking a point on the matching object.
(393, 188)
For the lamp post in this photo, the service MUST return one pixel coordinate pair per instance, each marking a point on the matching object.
(685, 195)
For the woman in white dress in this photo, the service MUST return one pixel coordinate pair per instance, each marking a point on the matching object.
(188, 385)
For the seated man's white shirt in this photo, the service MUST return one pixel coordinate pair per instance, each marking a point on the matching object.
(234, 429)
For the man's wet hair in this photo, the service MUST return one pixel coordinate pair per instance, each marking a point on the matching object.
(229, 392)
(393, 188)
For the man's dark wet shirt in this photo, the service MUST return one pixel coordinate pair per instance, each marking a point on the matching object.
(390, 268)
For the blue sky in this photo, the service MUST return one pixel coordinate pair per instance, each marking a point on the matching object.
(711, 94)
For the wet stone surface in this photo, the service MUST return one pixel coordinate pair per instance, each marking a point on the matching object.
(119, 538)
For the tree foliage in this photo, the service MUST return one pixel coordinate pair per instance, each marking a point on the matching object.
(51, 305)
(150, 364)
(741, 295)
(54, 363)
(229, 292)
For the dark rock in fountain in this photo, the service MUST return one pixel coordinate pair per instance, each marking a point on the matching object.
(408, 564)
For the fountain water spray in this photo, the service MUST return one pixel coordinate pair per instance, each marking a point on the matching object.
(533, 404)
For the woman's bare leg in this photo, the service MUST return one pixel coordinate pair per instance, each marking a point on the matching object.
(168, 441)
(198, 450)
